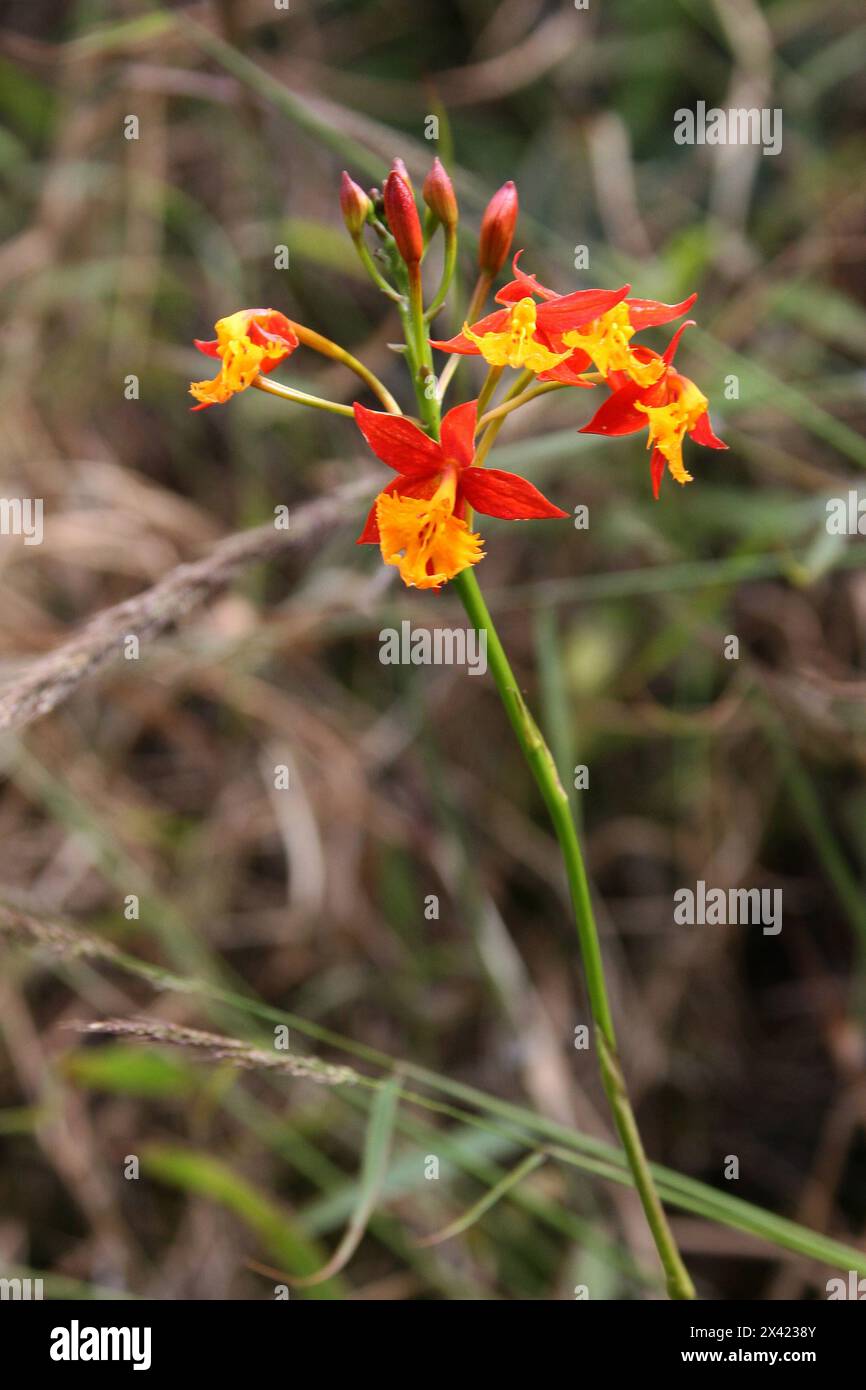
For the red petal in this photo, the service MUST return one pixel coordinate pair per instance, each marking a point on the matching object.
(458, 433)
(274, 332)
(493, 323)
(523, 285)
(647, 313)
(703, 433)
(574, 310)
(512, 292)
(399, 443)
(674, 343)
(657, 468)
(209, 349)
(568, 372)
(617, 415)
(370, 530)
(407, 487)
(495, 493)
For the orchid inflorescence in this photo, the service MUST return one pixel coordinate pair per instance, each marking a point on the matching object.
(422, 519)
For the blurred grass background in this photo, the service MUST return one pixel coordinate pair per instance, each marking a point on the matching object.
(157, 781)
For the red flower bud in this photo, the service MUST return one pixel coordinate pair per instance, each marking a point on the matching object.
(402, 216)
(439, 196)
(497, 229)
(355, 205)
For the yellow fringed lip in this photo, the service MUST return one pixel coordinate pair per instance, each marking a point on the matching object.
(424, 539)
(669, 423)
(606, 340)
(516, 345)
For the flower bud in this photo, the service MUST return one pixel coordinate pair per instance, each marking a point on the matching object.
(439, 196)
(497, 229)
(355, 205)
(402, 216)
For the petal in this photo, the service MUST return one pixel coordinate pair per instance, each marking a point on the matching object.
(617, 415)
(702, 433)
(370, 530)
(397, 442)
(493, 323)
(407, 487)
(568, 372)
(647, 313)
(210, 349)
(657, 468)
(495, 493)
(274, 333)
(523, 285)
(674, 343)
(458, 434)
(574, 310)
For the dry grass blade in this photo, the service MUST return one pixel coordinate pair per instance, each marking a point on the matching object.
(234, 1050)
(50, 681)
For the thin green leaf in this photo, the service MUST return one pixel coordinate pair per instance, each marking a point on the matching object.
(197, 1172)
(524, 1168)
(374, 1166)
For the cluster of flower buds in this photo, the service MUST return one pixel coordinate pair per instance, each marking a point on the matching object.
(401, 214)
(583, 339)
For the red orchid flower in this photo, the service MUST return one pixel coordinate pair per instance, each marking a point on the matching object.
(604, 342)
(671, 407)
(247, 343)
(418, 519)
(524, 334)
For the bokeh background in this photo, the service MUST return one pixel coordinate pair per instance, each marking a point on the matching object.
(156, 779)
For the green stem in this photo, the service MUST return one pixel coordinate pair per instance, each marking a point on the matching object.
(506, 406)
(491, 381)
(489, 436)
(273, 388)
(420, 353)
(327, 348)
(476, 304)
(543, 768)
(373, 270)
(447, 274)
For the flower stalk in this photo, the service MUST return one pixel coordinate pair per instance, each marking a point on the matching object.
(289, 393)
(326, 348)
(540, 760)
